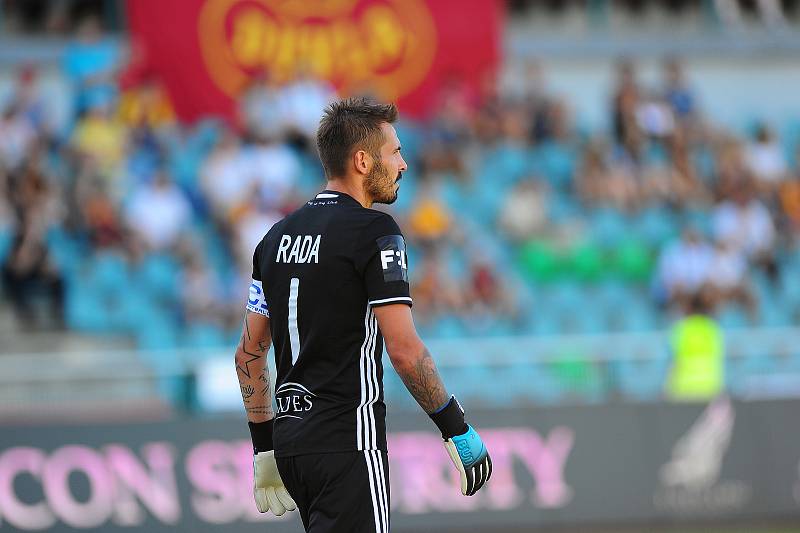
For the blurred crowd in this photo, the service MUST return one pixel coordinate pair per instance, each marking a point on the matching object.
(128, 221)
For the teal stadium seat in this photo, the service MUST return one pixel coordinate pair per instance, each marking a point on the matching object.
(733, 317)
(655, 225)
(203, 335)
(556, 162)
(159, 274)
(608, 227)
(637, 375)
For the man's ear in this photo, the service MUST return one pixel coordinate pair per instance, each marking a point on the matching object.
(362, 161)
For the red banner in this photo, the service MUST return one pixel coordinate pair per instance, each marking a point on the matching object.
(402, 50)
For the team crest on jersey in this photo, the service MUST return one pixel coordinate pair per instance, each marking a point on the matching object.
(394, 263)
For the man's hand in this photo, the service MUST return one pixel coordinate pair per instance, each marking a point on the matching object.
(268, 490)
(471, 459)
(464, 446)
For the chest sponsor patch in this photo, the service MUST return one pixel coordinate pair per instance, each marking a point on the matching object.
(392, 249)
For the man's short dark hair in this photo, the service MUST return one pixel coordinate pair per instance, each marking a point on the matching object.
(350, 125)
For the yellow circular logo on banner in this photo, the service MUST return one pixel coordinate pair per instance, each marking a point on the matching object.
(382, 46)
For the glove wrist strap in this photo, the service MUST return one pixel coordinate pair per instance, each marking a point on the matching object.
(261, 434)
(450, 419)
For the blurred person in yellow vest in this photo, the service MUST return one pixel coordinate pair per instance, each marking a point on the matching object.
(698, 349)
(100, 138)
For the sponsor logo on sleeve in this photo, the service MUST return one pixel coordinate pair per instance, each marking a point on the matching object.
(256, 300)
(394, 263)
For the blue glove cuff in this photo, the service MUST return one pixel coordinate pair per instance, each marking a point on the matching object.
(470, 447)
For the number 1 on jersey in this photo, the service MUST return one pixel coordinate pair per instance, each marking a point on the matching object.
(294, 333)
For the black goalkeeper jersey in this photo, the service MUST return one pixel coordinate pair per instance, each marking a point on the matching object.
(317, 274)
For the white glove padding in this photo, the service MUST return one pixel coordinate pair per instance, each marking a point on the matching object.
(268, 490)
(471, 459)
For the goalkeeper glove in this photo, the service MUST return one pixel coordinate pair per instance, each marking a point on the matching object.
(464, 446)
(268, 489)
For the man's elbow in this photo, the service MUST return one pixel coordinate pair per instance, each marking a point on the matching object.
(403, 352)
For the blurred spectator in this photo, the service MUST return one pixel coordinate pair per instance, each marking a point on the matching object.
(625, 104)
(765, 159)
(433, 291)
(29, 272)
(99, 214)
(487, 296)
(159, 212)
(676, 181)
(253, 220)
(100, 140)
(201, 292)
(273, 168)
(305, 98)
(677, 92)
(26, 100)
(603, 178)
(728, 279)
(262, 108)
(430, 220)
(453, 113)
(745, 223)
(223, 176)
(18, 137)
(524, 211)
(654, 117)
(146, 105)
(684, 269)
(790, 202)
(91, 62)
(698, 349)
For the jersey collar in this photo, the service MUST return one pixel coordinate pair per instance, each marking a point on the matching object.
(329, 194)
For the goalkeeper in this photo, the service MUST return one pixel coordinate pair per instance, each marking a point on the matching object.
(330, 284)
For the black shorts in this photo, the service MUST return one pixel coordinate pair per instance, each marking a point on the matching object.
(339, 492)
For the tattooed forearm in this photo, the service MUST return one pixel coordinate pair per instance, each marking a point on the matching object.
(247, 391)
(259, 411)
(423, 382)
(251, 367)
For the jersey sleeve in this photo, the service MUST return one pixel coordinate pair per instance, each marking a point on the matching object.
(256, 299)
(381, 256)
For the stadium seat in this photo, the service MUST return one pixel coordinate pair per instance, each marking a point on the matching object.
(637, 373)
(586, 262)
(608, 227)
(159, 276)
(64, 249)
(108, 272)
(561, 207)
(744, 364)
(203, 335)
(159, 332)
(654, 225)
(632, 261)
(6, 240)
(556, 162)
(733, 317)
(538, 261)
(84, 307)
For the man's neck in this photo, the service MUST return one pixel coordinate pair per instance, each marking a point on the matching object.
(356, 192)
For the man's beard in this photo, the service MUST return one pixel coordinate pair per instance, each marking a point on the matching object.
(379, 185)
